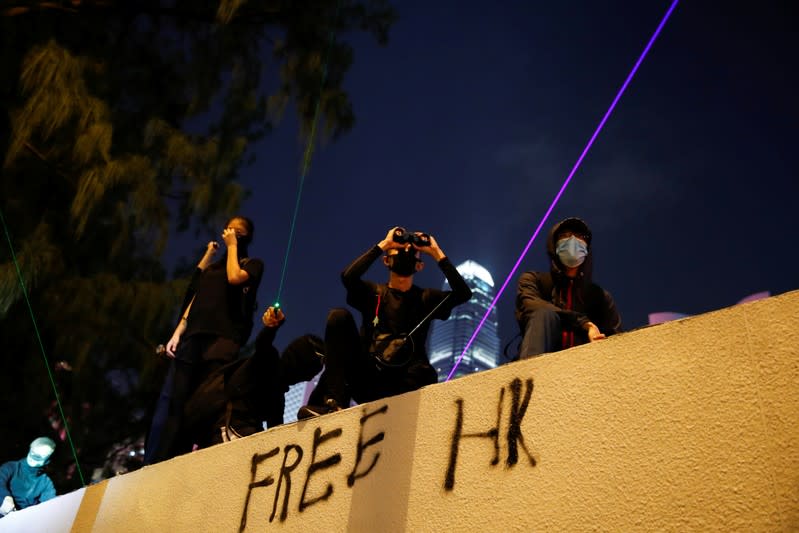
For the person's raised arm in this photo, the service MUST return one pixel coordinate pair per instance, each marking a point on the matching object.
(272, 319)
(235, 274)
(461, 292)
(205, 261)
(208, 256)
(351, 277)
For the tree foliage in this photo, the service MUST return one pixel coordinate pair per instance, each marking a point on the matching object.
(122, 121)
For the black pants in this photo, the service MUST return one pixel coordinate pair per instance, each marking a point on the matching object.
(195, 359)
(351, 373)
(543, 333)
(250, 391)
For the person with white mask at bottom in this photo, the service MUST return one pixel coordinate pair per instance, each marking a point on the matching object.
(23, 483)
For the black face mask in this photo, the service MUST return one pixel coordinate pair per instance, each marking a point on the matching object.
(403, 263)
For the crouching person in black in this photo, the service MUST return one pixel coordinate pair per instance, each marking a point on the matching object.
(388, 355)
(237, 399)
(564, 307)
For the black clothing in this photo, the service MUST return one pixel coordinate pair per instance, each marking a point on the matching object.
(244, 394)
(196, 358)
(351, 372)
(219, 323)
(574, 301)
(397, 311)
(221, 308)
(28, 485)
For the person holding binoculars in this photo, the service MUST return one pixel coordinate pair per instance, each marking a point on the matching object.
(388, 355)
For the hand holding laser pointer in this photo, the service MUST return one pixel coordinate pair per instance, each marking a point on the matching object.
(273, 317)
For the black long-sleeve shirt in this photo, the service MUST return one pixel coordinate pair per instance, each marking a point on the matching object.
(399, 312)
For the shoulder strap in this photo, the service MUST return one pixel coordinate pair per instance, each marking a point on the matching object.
(380, 297)
(431, 313)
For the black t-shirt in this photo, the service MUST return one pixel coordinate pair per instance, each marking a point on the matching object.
(223, 309)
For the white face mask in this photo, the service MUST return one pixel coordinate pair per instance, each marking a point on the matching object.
(39, 455)
(571, 251)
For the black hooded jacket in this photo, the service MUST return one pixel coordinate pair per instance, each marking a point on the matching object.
(576, 300)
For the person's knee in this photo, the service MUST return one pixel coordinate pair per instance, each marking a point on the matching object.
(539, 333)
(338, 316)
(302, 359)
(340, 326)
(542, 318)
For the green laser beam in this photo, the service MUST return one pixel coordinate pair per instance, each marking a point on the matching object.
(41, 347)
(307, 155)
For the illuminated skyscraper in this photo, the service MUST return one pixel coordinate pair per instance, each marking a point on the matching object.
(449, 338)
(297, 396)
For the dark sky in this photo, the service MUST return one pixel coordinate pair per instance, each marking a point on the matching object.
(471, 118)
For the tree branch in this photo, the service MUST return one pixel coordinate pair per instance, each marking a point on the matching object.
(32, 149)
(100, 7)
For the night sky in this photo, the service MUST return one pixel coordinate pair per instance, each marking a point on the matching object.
(471, 118)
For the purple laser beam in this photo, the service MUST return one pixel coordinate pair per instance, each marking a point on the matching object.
(566, 182)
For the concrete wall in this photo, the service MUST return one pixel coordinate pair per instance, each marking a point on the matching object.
(688, 426)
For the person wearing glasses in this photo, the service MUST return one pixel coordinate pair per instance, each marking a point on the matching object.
(564, 307)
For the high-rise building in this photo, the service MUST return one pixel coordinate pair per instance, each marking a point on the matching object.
(448, 338)
(297, 396)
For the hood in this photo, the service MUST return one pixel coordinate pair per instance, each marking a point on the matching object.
(556, 267)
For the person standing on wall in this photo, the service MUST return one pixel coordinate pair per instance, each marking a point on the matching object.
(216, 321)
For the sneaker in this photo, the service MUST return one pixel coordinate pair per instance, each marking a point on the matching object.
(310, 411)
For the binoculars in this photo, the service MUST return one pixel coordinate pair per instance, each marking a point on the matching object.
(403, 236)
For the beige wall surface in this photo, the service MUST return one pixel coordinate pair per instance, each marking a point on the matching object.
(686, 426)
